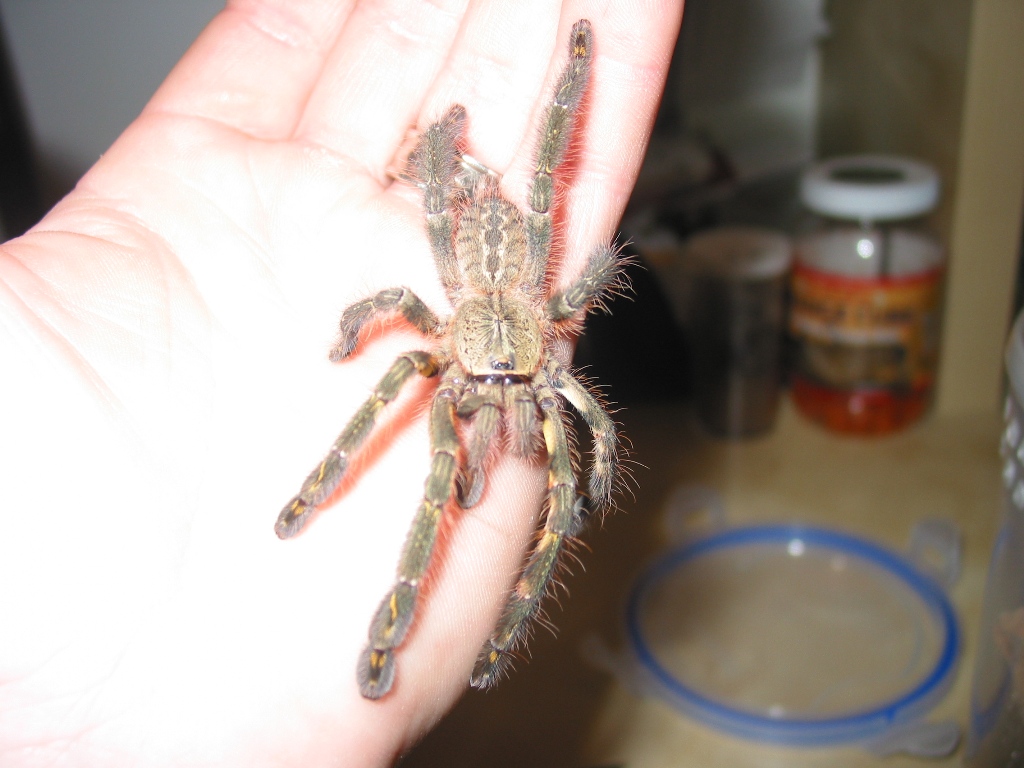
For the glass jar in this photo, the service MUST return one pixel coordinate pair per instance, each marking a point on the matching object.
(866, 294)
(996, 735)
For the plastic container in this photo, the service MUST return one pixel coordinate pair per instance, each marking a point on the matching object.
(799, 635)
(996, 736)
(866, 294)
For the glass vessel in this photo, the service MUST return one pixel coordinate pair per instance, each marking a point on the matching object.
(866, 294)
(996, 736)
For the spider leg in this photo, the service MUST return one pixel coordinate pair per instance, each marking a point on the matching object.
(325, 478)
(521, 417)
(484, 406)
(436, 165)
(376, 670)
(605, 465)
(390, 299)
(602, 275)
(554, 142)
(540, 567)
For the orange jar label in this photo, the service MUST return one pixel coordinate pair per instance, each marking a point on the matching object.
(858, 332)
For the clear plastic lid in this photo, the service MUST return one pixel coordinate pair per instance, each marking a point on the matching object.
(795, 635)
(870, 188)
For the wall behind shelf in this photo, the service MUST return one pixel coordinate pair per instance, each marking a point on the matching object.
(943, 82)
(988, 206)
(86, 69)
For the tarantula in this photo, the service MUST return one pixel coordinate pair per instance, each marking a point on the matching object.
(496, 364)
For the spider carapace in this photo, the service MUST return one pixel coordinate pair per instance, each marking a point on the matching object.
(496, 368)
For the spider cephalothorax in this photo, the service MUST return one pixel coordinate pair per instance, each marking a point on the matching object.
(498, 372)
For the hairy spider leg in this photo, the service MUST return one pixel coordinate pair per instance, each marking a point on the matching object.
(376, 670)
(484, 407)
(522, 424)
(540, 568)
(604, 466)
(390, 299)
(601, 276)
(554, 143)
(325, 478)
(436, 165)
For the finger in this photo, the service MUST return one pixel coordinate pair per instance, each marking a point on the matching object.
(255, 65)
(372, 84)
(498, 70)
(633, 44)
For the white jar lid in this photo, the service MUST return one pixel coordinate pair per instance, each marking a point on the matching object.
(870, 188)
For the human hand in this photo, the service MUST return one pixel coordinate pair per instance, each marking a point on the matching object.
(164, 334)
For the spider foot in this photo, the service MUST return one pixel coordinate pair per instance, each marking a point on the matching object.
(496, 657)
(293, 518)
(491, 666)
(470, 487)
(376, 672)
(318, 487)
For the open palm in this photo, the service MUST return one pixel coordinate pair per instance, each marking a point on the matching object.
(164, 333)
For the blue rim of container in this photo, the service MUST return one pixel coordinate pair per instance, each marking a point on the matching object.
(856, 726)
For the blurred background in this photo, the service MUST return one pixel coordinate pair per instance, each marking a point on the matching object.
(760, 91)
(75, 74)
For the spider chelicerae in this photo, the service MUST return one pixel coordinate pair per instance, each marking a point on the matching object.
(497, 368)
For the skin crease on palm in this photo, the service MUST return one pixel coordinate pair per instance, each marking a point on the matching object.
(164, 335)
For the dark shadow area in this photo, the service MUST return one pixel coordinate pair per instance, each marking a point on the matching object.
(21, 203)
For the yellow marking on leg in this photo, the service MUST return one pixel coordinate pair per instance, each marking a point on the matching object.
(393, 604)
(547, 540)
(549, 434)
(295, 510)
(319, 477)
